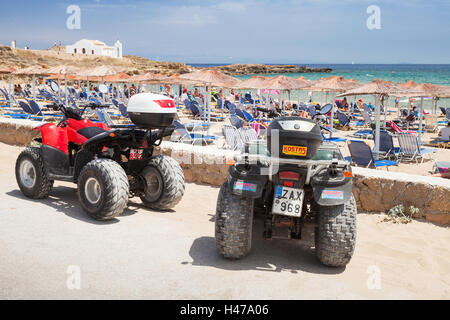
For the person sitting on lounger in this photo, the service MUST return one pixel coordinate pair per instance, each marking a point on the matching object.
(344, 103)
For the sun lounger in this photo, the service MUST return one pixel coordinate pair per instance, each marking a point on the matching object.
(332, 139)
(181, 134)
(236, 121)
(248, 134)
(410, 148)
(392, 126)
(233, 137)
(362, 155)
(387, 148)
(363, 134)
(440, 166)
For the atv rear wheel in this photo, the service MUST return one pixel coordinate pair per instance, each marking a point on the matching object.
(164, 183)
(31, 174)
(103, 189)
(234, 221)
(335, 236)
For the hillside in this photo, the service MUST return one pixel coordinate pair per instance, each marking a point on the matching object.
(19, 58)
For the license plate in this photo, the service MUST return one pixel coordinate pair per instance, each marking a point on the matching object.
(136, 154)
(295, 150)
(288, 201)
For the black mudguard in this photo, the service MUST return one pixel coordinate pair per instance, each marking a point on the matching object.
(331, 190)
(246, 181)
(56, 162)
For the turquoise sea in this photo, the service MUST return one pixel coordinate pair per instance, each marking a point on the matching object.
(364, 73)
(419, 73)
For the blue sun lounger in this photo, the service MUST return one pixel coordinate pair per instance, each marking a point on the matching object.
(362, 156)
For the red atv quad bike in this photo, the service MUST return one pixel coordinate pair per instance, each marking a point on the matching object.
(109, 163)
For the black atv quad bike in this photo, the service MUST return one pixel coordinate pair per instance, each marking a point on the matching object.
(301, 180)
(109, 163)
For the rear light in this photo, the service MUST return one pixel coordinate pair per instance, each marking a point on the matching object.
(347, 174)
(289, 175)
(288, 183)
(165, 103)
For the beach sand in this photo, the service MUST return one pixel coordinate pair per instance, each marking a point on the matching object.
(171, 255)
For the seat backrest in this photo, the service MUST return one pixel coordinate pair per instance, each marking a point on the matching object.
(103, 116)
(240, 114)
(219, 103)
(248, 134)
(386, 142)
(248, 116)
(25, 107)
(343, 119)
(35, 108)
(232, 137)
(123, 110)
(236, 122)
(195, 110)
(393, 126)
(312, 110)
(178, 124)
(232, 107)
(409, 145)
(361, 153)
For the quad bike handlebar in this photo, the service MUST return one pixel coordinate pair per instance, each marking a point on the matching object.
(72, 112)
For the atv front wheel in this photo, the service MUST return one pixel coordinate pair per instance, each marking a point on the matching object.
(234, 221)
(103, 189)
(335, 236)
(31, 174)
(164, 183)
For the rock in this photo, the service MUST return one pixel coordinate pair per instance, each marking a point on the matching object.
(246, 69)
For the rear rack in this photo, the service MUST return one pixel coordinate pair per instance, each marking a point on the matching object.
(270, 162)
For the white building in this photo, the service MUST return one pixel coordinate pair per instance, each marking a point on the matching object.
(95, 47)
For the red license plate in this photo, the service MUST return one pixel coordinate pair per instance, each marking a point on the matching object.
(136, 154)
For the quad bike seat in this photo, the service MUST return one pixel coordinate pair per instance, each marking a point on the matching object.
(90, 132)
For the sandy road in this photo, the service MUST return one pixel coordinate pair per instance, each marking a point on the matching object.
(154, 255)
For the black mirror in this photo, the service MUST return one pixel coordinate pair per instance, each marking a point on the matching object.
(326, 109)
(54, 86)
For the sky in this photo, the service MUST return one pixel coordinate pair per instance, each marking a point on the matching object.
(242, 31)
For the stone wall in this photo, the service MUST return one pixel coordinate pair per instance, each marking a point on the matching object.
(18, 132)
(374, 190)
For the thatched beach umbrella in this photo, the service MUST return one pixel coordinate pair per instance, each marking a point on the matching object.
(378, 88)
(421, 91)
(211, 78)
(408, 84)
(255, 82)
(117, 77)
(64, 70)
(33, 71)
(334, 84)
(283, 83)
(8, 71)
